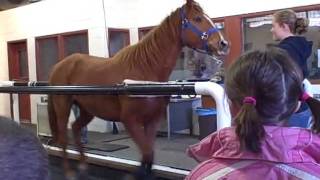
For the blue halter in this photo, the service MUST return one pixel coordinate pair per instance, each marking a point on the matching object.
(186, 24)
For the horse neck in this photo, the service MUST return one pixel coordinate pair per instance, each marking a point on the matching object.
(163, 46)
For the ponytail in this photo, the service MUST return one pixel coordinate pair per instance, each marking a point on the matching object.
(249, 128)
(301, 25)
(314, 106)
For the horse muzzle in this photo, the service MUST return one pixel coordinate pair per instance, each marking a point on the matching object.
(223, 48)
(219, 49)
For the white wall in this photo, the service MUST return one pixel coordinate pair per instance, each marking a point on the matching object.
(140, 13)
(223, 8)
(4, 75)
(58, 16)
(45, 18)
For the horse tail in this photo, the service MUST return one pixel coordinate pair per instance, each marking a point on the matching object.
(52, 119)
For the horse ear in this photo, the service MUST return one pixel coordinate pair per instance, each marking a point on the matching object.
(189, 3)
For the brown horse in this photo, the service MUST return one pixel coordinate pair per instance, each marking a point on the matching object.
(152, 59)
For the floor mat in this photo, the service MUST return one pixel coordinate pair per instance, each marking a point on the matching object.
(107, 147)
(115, 137)
(92, 145)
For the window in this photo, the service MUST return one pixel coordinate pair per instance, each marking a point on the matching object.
(23, 64)
(118, 39)
(47, 56)
(192, 64)
(51, 49)
(144, 31)
(257, 35)
(257, 32)
(313, 34)
(75, 43)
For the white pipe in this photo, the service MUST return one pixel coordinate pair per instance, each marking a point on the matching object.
(308, 87)
(217, 93)
(201, 88)
(6, 83)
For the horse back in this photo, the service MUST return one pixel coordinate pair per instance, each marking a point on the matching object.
(83, 69)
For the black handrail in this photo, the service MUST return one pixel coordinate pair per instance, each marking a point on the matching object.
(119, 89)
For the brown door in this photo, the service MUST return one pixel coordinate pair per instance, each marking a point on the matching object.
(18, 70)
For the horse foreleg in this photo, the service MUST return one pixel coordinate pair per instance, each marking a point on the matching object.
(150, 130)
(145, 145)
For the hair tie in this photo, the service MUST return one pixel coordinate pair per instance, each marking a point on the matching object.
(250, 100)
(304, 97)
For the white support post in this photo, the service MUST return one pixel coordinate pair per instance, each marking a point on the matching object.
(217, 93)
(15, 105)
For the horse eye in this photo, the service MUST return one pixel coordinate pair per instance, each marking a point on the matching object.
(198, 19)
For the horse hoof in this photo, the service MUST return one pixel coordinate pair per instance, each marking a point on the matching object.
(144, 176)
(144, 172)
(83, 171)
(83, 167)
(128, 177)
(83, 175)
(71, 175)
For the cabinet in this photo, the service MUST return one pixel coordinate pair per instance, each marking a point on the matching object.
(179, 115)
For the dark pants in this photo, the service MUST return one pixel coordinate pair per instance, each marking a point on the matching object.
(301, 119)
(84, 130)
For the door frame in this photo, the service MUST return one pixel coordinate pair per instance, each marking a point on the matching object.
(12, 47)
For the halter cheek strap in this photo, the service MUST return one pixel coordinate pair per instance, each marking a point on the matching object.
(203, 35)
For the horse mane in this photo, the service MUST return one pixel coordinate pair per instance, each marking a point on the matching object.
(150, 50)
(159, 48)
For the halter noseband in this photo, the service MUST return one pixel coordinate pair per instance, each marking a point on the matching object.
(186, 24)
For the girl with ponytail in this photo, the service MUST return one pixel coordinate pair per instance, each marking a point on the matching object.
(264, 89)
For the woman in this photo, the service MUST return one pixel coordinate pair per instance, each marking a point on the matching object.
(287, 28)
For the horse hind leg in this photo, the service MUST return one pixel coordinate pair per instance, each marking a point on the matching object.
(80, 122)
(62, 105)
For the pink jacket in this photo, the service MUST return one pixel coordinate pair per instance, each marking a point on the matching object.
(287, 153)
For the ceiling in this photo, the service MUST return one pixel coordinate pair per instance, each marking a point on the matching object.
(9, 4)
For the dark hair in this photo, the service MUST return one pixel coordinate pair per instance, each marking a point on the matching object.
(314, 106)
(276, 83)
(289, 17)
(22, 156)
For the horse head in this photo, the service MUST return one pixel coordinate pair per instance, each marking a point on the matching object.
(200, 33)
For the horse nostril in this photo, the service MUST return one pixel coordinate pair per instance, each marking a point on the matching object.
(223, 43)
